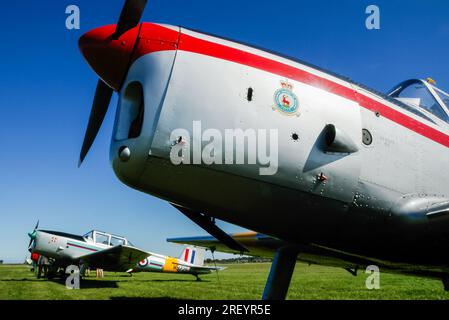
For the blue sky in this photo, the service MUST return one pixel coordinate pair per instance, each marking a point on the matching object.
(46, 90)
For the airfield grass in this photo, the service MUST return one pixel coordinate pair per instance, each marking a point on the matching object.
(237, 282)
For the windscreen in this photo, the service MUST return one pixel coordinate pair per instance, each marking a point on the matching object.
(444, 96)
(416, 93)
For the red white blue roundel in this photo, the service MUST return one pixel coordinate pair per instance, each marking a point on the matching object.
(143, 263)
(285, 100)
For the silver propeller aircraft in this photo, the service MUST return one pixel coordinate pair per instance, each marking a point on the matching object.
(97, 249)
(93, 250)
(345, 173)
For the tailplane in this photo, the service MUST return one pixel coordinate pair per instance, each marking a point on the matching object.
(193, 255)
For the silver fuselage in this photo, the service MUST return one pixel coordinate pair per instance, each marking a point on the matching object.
(374, 201)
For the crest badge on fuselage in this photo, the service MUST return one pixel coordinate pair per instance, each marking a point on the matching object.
(285, 100)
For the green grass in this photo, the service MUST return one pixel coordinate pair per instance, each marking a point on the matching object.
(238, 281)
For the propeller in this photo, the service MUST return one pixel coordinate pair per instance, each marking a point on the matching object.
(129, 18)
(103, 95)
(32, 235)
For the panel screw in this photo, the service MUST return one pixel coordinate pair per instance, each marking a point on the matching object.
(124, 154)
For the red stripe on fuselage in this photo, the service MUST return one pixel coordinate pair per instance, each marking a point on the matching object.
(404, 120)
(200, 46)
(186, 255)
(81, 247)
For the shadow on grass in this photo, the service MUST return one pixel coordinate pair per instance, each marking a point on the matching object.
(92, 284)
(21, 280)
(84, 284)
(145, 299)
(89, 284)
(175, 280)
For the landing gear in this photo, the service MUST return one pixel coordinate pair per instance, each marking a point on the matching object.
(51, 274)
(39, 271)
(354, 271)
(53, 271)
(446, 283)
(43, 271)
(83, 270)
(197, 277)
(281, 273)
(44, 267)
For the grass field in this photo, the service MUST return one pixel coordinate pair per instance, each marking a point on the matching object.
(238, 281)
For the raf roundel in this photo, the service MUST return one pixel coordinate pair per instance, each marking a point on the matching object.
(143, 263)
(285, 100)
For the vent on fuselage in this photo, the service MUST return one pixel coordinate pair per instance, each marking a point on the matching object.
(131, 113)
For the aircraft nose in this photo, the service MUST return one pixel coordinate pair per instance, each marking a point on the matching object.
(35, 236)
(107, 56)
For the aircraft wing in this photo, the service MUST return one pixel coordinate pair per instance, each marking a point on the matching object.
(118, 258)
(259, 245)
(205, 269)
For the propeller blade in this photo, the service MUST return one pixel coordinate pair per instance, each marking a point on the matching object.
(103, 95)
(32, 235)
(130, 17)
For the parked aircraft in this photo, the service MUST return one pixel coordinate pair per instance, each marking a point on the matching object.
(358, 172)
(53, 251)
(191, 261)
(94, 250)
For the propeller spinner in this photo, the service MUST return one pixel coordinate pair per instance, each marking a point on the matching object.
(108, 51)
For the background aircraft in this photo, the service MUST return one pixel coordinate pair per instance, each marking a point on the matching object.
(191, 261)
(360, 172)
(97, 249)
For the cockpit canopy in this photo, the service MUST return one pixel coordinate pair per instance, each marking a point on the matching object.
(104, 238)
(423, 94)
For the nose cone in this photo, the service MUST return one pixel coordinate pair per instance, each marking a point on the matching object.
(36, 241)
(107, 56)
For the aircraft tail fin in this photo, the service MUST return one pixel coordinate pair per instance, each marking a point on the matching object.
(193, 255)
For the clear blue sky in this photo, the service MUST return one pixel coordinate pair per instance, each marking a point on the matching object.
(46, 91)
